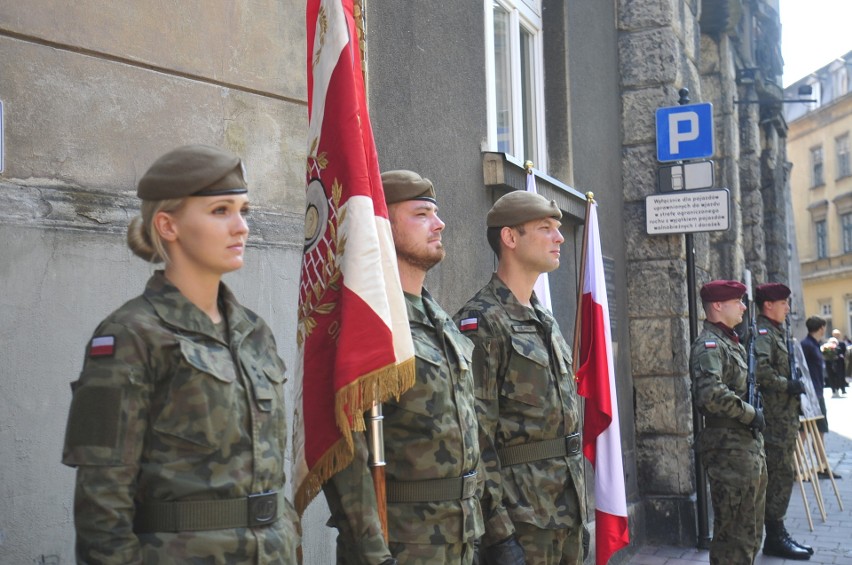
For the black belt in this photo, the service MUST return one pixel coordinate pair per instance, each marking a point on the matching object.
(197, 515)
(538, 450)
(713, 422)
(432, 490)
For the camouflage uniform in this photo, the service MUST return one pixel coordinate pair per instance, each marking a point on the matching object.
(732, 456)
(430, 433)
(177, 410)
(781, 411)
(525, 393)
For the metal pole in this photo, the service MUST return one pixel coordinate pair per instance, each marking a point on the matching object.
(697, 419)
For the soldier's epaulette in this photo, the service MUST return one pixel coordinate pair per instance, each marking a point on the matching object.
(102, 346)
(709, 345)
(762, 331)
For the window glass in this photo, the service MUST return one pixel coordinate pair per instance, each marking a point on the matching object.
(817, 178)
(503, 80)
(843, 165)
(846, 226)
(821, 244)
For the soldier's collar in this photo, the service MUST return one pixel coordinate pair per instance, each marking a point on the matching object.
(511, 305)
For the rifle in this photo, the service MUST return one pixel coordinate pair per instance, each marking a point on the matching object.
(795, 371)
(753, 394)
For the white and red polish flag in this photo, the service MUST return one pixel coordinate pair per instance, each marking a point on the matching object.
(542, 283)
(354, 343)
(596, 382)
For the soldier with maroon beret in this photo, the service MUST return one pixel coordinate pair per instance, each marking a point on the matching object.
(730, 446)
(781, 405)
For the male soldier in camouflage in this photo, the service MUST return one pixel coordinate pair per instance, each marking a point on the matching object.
(430, 432)
(534, 494)
(177, 427)
(781, 407)
(730, 446)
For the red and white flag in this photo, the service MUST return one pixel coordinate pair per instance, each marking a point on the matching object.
(596, 382)
(542, 283)
(354, 343)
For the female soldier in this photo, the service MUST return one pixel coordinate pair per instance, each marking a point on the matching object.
(177, 424)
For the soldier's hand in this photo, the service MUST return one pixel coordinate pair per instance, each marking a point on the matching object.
(506, 552)
(795, 387)
(758, 423)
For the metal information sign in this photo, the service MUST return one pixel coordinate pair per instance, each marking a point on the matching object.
(688, 211)
(685, 176)
(685, 132)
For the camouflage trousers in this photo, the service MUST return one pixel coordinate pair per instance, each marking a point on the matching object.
(422, 554)
(779, 489)
(551, 547)
(738, 492)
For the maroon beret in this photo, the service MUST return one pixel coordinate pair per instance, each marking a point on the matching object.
(771, 292)
(720, 291)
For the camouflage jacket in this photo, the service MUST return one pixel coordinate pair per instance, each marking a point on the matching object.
(525, 392)
(430, 433)
(719, 370)
(773, 373)
(167, 409)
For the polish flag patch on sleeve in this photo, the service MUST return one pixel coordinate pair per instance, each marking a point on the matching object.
(102, 346)
(469, 324)
(709, 345)
(762, 331)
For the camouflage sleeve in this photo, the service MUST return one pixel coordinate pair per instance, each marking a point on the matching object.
(351, 499)
(106, 429)
(767, 377)
(712, 395)
(487, 355)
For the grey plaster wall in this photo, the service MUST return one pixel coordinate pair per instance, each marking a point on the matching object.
(93, 93)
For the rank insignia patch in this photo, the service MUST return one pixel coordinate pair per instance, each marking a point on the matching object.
(102, 346)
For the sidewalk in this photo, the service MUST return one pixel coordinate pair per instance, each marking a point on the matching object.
(832, 539)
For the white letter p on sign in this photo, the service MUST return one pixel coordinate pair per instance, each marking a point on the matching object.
(676, 136)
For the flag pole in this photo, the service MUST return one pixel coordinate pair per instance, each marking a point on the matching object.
(377, 438)
(590, 200)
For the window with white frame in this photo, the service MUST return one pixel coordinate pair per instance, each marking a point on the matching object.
(840, 81)
(825, 314)
(846, 227)
(844, 167)
(515, 79)
(817, 177)
(821, 239)
(849, 317)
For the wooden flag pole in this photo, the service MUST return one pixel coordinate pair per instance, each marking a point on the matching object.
(575, 352)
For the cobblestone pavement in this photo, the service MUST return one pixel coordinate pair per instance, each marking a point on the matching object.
(831, 539)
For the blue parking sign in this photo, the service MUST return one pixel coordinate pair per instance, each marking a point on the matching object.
(685, 132)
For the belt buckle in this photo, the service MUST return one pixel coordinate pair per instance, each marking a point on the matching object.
(468, 485)
(572, 443)
(262, 508)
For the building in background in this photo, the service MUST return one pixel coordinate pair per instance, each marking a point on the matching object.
(818, 148)
(463, 93)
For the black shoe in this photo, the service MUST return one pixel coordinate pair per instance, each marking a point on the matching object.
(778, 544)
(789, 538)
(825, 475)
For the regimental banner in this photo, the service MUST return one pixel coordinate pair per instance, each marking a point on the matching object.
(354, 344)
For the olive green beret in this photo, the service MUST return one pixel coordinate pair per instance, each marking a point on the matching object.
(519, 207)
(406, 185)
(193, 170)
